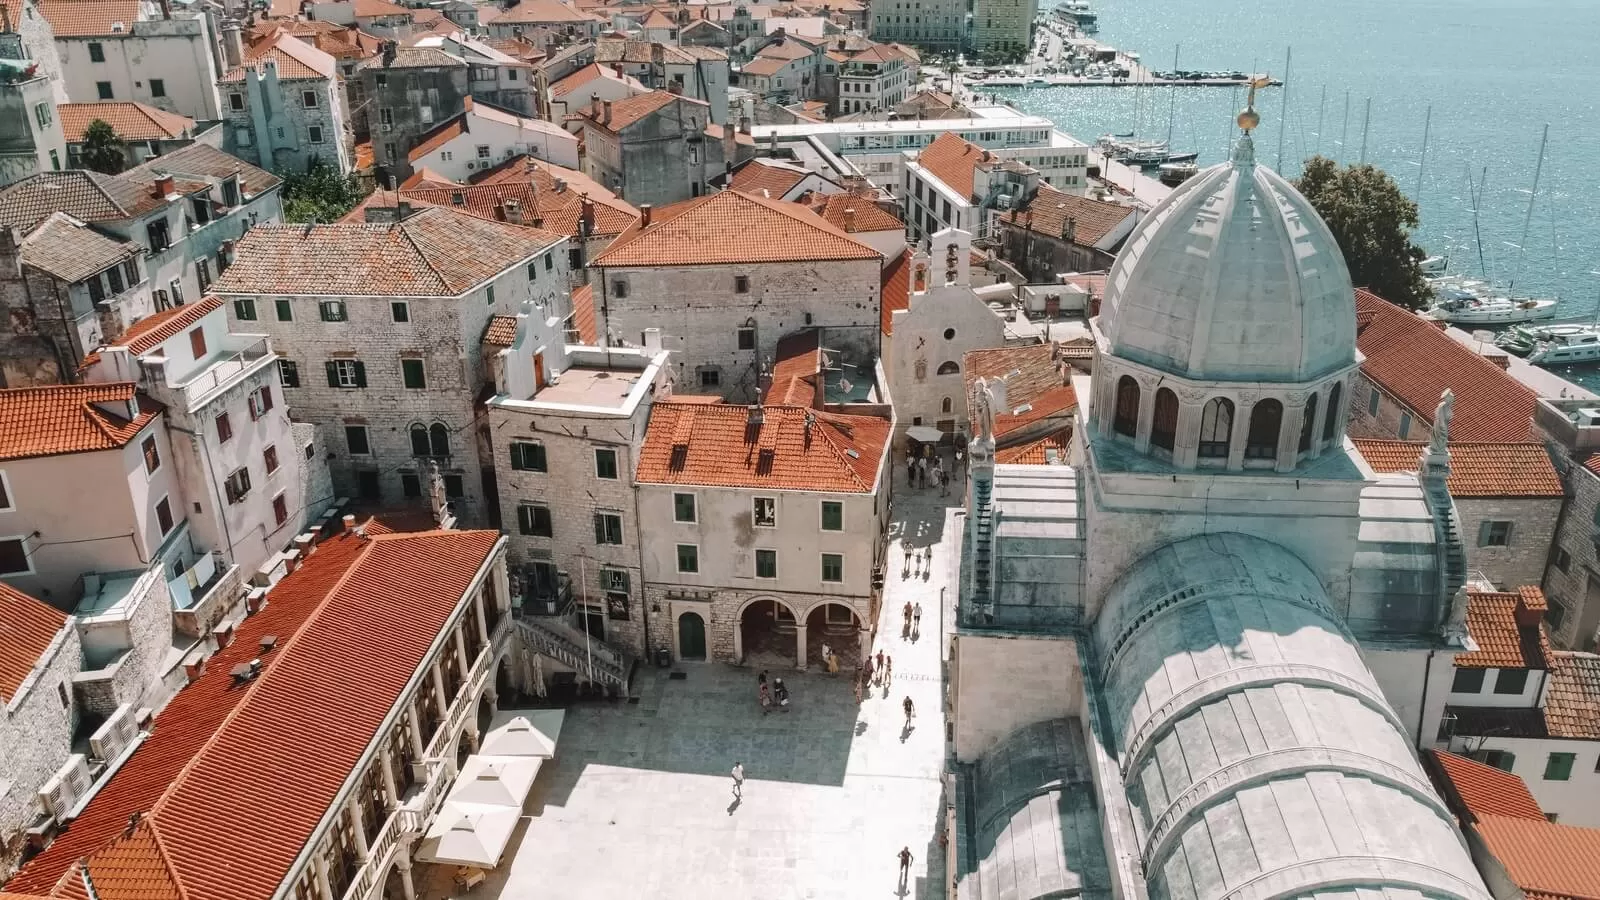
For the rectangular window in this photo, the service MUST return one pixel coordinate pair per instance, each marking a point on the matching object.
(1405, 425)
(710, 377)
(683, 507)
(1563, 559)
(688, 558)
(14, 557)
(483, 151)
(197, 343)
(355, 440)
(1467, 681)
(97, 291)
(534, 519)
(1510, 681)
(1373, 400)
(765, 512)
(244, 309)
(158, 87)
(237, 486)
(236, 102)
(160, 239)
(315, 134)
(385, 114)
(202, 273)
(1494, 534)
(114, 275)
(269, 458)
(103, 89)
(289, 373)
(224, 429)
(308, 99)
(747, 338)
(347, 373)
(152, 456)
(741, 284)
(528, 456)
(605, 463)
(400, 311)
(333, 311)
(549, 262)
(1558, 766)
(285, 310)
(454, 487)
(832, 515)
(619, 289)
(766, 564)
(410, 484)
(164, 517)
(260, 402)
(488, 295)
(280, 509)
(607, 528)
(5, 495)
(833, 567)
(131, 269)
(97, 52)
(413, 374)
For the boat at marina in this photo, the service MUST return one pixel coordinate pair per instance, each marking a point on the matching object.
(1473, 309)
(1176, 173)
(1522, 339)
(1434, 266)
(1565, 348)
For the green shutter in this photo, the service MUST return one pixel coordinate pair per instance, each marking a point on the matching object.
(333, 374)
(361, 374)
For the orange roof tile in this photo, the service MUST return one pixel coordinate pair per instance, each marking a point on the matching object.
(1051, 210)
(1034, 453)
(544, 11)
(854, 213)
(1572, 701)
(763, 66)
(896, 292)
(1477, 468)
(953, 160)
(294, 58)
(501, 331)
(1038, 391)
(131, 121)
(149, 333)
(1491, 620)
(1414, 362)
(630, 110)
(794, 369)
(1543, 857)
(785, 49)
(90, 18)
(732, 227)
(774, 178)
(794, 448)
(541, 204)
(69, 418)
(1484, 790)
(583, 319)
(27, 628)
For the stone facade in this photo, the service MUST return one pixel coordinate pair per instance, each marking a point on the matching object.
(169, 63)
(720, 611)
(663, 158)
(406, 100)
(936, 24)
(1523, 558)
(286, 125)
(36, 730)
(1384, 416)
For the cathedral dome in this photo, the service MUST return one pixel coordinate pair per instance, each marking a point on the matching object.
(1234, 277)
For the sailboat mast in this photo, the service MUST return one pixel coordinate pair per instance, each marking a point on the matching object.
(1344, 133)
(1477, 233)
(1366, 122)
(1527, 219)
(1172, 94)
(1422, 161)
(1283, 109)
(1322, 107)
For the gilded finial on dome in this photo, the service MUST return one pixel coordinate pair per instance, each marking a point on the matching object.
(1249, 119)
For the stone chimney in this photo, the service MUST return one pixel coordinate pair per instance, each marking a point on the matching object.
(513, 210)
(390, 49)
(164, 186)
(594, 106)
(232, 43)
(605, 113)
(744, 124)
(644, 215)
(850, 219)
(586, 216)
(1531, 607)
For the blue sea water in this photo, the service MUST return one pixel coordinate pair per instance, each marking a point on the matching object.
(1494, 73)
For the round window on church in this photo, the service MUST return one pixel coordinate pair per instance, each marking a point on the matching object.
(949, 334)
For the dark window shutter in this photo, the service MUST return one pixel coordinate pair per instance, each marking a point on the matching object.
(361, 374)
(333, 374)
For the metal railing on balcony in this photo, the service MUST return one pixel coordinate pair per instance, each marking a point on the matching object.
(223, 371)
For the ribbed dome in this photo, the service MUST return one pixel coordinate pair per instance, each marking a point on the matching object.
(1234, 277)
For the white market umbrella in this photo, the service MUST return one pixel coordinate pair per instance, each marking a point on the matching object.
(496, 780)
(925, 434)
(469, 834)
(521, 737)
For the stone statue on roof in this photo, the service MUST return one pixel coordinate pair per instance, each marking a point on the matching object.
(1441, 422)
(983, 417)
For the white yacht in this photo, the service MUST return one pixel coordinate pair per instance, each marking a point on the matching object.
(1471, 309)
(1434, 266)
(1568, 347)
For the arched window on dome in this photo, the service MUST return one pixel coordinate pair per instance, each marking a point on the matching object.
(949, 368)
(1164, 424)
(1126, 418)
(1309, 426)
(1216, 429)
(1266, 421)
(1330, 421)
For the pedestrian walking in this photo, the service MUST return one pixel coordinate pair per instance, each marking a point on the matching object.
(922, 471)
(916, 618)
(833, 663)
(766, 699)
(738, 779)
(906, 614)
(781, 692)
(866, 671)
(858, 687)
(762, 678)
(940, 479)
(911, 468)
(910, 709)
(905, 865)
(888, 670)
(880, 661)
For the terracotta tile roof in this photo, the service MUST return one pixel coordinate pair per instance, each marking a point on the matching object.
(131, 121)
(631, 110)
(1037, 389)
(501, 331)
(440, 134)
(1414, 362)
(1477, 468)
(205, 161)
(84, 195)
(556, 211)
(65, 418)
(623, 50)
(794, 369)
(149, 333)
(775, 178)
(72, 251)
(785, 49)
(364, 156)
(1572, 701)
(544, 11)
(89, 18)
(1034, 453)
(713, 445)
(588, 74)
(373, 9)
(295, 59)
(732, 227)
(896, 293)
(134, 867)
(1484, 790)
(953, 160)
(544, 174)
(414, 58)
(1050, 211)
(424, 177)
(583, 319)
(854, 213)
(1491, 620)
(435, 253)
(763, 66)
(27, 627)
(1545, 858)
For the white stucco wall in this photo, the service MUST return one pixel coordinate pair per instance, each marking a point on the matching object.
(176, 51)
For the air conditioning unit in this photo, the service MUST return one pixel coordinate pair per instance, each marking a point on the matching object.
(66, 787)
(115, 735)
(471, 165)
(388, 126)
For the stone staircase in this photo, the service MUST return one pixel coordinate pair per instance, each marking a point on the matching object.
(565, 644)
(981, 595)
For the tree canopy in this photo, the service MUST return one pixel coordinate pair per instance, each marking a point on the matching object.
(320, 194)
(1372, 221)
(102, 149)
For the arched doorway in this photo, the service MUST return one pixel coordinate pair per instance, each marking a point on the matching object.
(691, 637)
(485, 713)
(504, 683)
(838, 626)
(394, 885)
(768, 634)
(463, 749)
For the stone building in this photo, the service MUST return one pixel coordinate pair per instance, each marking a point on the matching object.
(548, 23)
(482, 137)
(141, 51)
(870, 79)
(765, 530)
(409, 91)
(1002, 30)
(378, 327)
(725, 277)
(1204, 649)
(699, 73)
(1056, 232)
(1571, 433)
(652, 148)
(933, 24)
(954, 183)
(31, 139)
(146, 132)
(285, 110)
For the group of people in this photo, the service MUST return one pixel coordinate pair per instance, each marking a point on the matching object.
(927, 470)
(779, 693)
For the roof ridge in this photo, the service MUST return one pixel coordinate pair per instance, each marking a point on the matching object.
(416, 247)
(166, 859)
(839, 453)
